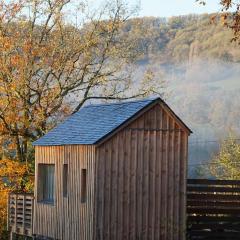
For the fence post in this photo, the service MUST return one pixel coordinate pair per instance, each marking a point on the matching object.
(12, 236)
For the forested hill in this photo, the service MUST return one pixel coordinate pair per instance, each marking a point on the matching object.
(182, 38)
(201, 67)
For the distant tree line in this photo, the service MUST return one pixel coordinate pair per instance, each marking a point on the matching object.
(182, 38)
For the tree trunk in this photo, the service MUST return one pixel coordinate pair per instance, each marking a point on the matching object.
(25, 150)
(19, 153)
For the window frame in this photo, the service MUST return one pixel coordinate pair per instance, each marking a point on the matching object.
(65, 180)
(45, 174)
(84, 185)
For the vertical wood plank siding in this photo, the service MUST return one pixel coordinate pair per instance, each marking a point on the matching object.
(141, 180)
(67, 218)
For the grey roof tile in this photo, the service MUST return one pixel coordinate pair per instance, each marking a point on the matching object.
(92, 123)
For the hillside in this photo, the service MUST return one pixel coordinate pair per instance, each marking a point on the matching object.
(182, 38)
(201, 67)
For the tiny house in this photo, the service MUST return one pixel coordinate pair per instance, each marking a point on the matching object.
(113, 171)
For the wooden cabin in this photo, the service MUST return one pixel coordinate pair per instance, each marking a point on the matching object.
(112, 172)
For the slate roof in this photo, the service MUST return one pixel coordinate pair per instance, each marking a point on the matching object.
(92, 123)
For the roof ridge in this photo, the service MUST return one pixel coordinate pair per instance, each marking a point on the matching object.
(123, 102)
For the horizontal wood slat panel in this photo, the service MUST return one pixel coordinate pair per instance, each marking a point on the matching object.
(212, 189)
(215, 204)
(227, 226)
(213, 208)
(208, 210)
(213, 219)
(217, 235)
(213, 197)
(212, 182)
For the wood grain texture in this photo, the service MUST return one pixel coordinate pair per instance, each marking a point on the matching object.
(67, 218)
(141, 180)
(213, 205)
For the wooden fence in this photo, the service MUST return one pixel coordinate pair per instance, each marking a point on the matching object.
(213, 208)
(20, 213)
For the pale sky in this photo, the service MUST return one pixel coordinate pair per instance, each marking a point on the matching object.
(167, 8)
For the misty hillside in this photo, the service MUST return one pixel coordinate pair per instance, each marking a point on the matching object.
(201, 67)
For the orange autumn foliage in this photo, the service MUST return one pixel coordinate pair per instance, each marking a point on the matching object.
(48, 63)
(11, 179)
(229, 16)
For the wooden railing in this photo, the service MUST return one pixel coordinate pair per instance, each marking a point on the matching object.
(20, 213)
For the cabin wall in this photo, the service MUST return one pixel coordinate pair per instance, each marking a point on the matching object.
(67, 218)
(141, 180)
